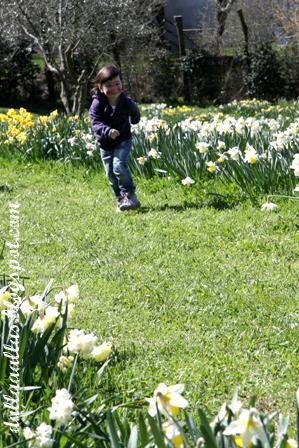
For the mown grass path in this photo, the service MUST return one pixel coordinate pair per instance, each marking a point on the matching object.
(189, 293)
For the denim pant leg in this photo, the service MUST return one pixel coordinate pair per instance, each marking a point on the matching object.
(107, 159)
(120, 167)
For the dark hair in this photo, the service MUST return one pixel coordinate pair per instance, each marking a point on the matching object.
(106, 73)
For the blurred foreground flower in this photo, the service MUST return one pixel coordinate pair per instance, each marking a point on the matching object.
(168, 400)
(173, 434)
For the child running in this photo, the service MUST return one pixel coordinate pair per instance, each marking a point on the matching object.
(111, 114)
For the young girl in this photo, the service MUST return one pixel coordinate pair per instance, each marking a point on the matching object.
(111, 114)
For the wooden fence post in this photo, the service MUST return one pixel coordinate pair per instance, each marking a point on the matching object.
(178, 20)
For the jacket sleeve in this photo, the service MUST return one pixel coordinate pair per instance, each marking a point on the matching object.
(134, 113)
(100, 129)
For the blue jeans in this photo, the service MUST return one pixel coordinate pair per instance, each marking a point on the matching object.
(115, 162)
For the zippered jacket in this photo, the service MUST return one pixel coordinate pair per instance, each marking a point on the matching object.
(103, 119)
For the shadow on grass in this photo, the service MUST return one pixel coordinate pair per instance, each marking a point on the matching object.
(219, 202)
(4, 188)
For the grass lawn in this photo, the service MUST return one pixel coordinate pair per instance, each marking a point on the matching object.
(190, 293)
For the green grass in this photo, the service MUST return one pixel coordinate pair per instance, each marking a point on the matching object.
(190, 293)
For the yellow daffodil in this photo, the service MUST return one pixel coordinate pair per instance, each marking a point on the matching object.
(211, 167)
(101, 352)
(4, 298)
(43, 119)
(291, 443)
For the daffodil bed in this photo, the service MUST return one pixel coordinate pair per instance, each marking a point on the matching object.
(250, 145)
(193, 289)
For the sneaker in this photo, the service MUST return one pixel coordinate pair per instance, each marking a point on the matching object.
(134, 201)
(129, 201)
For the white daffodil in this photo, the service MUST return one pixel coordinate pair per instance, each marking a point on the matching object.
(173, 434)
(72, 141)
(202, 147)
(82, 343)
(41, 438)
(90, 147)
(188, 181)
(72, 293)
(43, 323)
(248, 427)
(31, 304)
(234, 153)
(142, 160)
(295, 165)
(269, 206)
(220, 145)
(250, 155)
(154, 154)
(167, 399)
(62, 407)
(101, 352)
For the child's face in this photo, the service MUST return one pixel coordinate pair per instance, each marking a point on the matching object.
(112, 88)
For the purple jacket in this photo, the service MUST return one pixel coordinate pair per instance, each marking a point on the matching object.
(102, 121)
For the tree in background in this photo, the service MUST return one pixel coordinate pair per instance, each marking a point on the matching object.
(223, 8)
(74, 36)
(287, 13)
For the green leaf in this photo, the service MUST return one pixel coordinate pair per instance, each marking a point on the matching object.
(206, 430)
(192, 428)
(297, 402)
(158, 437)
(115, 443)
(142, 430)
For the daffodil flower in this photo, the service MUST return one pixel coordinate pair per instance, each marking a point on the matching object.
(246, 428)
(188, 181)
(173, 434)
(168, 400)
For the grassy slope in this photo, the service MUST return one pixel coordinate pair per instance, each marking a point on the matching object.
(200, 296)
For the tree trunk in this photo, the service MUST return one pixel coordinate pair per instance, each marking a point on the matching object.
(65, 96)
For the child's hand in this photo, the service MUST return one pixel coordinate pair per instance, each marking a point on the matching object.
(114, 134)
